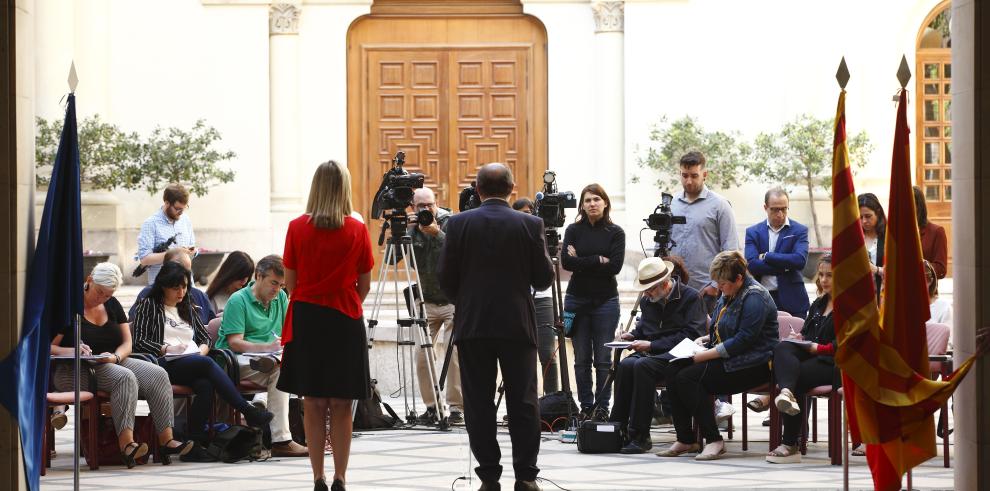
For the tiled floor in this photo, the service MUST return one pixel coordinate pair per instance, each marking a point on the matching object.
(430, 460)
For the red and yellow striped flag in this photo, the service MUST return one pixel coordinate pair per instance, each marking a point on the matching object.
(890, 399)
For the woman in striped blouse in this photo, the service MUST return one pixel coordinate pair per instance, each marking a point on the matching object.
(165, 326)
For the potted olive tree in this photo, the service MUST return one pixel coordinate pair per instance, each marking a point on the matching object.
(110, 159)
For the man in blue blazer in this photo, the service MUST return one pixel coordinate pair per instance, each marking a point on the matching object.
(777, 251)
(491, 259)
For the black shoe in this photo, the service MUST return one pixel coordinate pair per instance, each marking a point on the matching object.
(337, 485)
(429, 417)
(320, 485)
(766, 422)
(585, 413)
(490, 486)
(257, 418)
(527, 486)
(601, 414)
(455, 418)
(166, 452)
(638, 444)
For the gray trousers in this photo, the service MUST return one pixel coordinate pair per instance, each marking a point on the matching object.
(125, 383)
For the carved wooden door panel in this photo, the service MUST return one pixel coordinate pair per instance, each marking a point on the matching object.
(488, 114)
(406, 111)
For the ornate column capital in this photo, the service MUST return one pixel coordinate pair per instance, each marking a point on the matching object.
(283, 18)
(609, 16)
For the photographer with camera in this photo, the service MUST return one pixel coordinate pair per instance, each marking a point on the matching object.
(166, 229)
(426, 226)
(593, 250)
(672, 311)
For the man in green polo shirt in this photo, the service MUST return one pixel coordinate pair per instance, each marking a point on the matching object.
(252, 323)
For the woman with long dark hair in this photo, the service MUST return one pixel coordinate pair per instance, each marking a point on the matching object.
(934, 243)
(235, 272)
(328, 261)
(166, 326)
(593, 250)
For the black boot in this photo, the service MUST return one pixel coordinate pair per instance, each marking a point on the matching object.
(639, 442)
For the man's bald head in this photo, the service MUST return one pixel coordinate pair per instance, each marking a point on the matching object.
(179, 255)
(424, 199)
(495, 181)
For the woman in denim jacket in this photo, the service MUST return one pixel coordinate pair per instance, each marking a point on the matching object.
(740, 342)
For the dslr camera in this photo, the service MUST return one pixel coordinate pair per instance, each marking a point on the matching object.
(662, 220)
(397, 188)
(550, 204)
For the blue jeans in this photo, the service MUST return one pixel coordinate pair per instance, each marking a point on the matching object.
(593, 327)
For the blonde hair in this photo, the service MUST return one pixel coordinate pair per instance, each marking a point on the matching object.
(329, 195)
(727, 266)
(107, 275)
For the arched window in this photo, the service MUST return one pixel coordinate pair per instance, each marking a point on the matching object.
(934, 103)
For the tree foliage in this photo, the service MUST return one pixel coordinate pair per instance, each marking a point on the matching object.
(110, 158)
(800, 155)
(726, 154)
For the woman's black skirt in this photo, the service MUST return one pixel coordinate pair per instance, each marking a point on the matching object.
(328, 355)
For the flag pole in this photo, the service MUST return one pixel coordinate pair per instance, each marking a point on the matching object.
(842, 76)
(73, 82)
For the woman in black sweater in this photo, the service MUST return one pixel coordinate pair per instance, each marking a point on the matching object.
(593, 250)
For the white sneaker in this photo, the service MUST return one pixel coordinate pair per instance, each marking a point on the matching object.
(723, 411)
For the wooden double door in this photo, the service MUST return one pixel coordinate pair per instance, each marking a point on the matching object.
(453, 94)
(450, 111)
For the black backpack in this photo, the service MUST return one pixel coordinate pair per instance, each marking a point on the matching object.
(369, 416)
(555, 408)
(236, 443)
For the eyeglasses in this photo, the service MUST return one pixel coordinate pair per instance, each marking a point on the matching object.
(777, 210)
(176, 209)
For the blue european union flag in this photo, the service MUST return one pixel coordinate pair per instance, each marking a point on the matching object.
(53, 296)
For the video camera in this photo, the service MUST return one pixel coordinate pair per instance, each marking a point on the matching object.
(662, 221)
(140, 269)
(550, 204)
(397, 188)
(468, 199)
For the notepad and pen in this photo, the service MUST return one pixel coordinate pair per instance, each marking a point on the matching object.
(82, 357)
(191, 349)
(684, 350)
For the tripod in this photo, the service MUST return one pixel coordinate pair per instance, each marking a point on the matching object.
(411, 331)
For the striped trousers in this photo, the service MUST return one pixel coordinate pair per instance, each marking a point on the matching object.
(126, 382)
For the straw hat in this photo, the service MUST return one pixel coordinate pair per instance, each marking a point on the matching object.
(651, 272)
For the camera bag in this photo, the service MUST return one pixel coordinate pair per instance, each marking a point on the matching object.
(599, 437)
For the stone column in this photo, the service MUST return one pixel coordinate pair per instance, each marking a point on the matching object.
(971, 241)
(283, 62)
(283, 45)
(609, 112)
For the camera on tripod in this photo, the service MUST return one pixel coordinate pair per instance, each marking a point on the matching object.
(468, 199)
(397, 188)
(550, 204)
(662, 220)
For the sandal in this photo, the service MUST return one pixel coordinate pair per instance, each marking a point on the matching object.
(137, 450)
(703, 456)
(785, 454)
(691, 448)
(859, 451)
(166, 452)
(758, 405)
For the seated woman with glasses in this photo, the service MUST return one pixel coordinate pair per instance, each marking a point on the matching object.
(165, 326)
(103, 330)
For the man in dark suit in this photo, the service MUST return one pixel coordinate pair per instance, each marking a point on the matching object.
(490, 260)
(777, 251)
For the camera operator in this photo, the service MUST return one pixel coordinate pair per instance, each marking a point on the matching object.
(167, 222)
(672, 311)
(427, 241)
(546, 339)
(593, 250)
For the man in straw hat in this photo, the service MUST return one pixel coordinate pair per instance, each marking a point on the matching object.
(672, 311)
